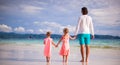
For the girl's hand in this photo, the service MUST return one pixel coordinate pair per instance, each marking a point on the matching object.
(72, 38)
(56, 45)
(75, 37)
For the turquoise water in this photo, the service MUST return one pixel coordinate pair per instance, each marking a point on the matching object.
(104, 43)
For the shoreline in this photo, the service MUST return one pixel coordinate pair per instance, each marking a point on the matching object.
(91, 46)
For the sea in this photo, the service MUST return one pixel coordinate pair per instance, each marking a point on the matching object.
(95, 43)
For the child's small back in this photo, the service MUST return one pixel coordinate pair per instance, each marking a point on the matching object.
(47, 40)
(47, 48)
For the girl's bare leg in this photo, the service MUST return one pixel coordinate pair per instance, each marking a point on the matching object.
(63, 58)
(82, 53)
(66, 59)
(47, 59)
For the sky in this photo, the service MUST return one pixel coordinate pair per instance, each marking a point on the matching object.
(40, 16)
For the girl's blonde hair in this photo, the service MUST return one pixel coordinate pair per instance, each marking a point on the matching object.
(48, 33)
(66, 30)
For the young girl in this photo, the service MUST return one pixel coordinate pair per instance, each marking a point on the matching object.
(47, 49)
(65, 49)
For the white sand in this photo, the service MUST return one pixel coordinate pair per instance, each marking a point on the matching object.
(11, 54)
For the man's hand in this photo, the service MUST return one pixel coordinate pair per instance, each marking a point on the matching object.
(93, 36)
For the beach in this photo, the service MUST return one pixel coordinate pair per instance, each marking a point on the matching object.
(21, 54)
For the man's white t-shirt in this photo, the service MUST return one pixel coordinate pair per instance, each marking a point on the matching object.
(85, 25)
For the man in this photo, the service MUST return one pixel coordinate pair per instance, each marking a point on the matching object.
(85, 28)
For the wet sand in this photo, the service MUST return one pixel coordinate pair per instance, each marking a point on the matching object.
(20, 54)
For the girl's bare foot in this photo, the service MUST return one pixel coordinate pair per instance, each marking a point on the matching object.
(82, 60)
(63, 61)
(48, 61)
(66, 61)
(86, 60)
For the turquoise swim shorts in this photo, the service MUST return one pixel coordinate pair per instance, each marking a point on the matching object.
(84, 39)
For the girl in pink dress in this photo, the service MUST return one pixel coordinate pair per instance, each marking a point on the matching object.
(65, 48)
(47, 49)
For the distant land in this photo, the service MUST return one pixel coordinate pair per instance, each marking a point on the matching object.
(4, 35)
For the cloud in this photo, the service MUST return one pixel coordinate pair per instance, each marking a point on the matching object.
(30, 31)
(19, 29)
(62, 9)
(102, 12)
(50, 24)
(41, 31)
(5, 28)
(106, 15)
(30, 9)
(21, 8)
(40, 3)
(75, 5)
(36, 22)
(108, 32)
(54, 27)
(8, 9)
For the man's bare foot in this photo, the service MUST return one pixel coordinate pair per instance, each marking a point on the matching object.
(82, 60)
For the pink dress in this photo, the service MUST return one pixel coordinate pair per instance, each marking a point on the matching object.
(47, 48)
(65, 49)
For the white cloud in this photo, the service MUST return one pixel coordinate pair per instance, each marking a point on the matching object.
(75, 5)
(106, 15)
(30, 9)
(50, 24)
(5, 28)
(41, 3)
(45, 30)
(71, 28)
(108, 32)
(55, 27)
(22, 7)
(106, 11)
(19, 29)
(9, 9)
(62, 9)
(30, 30)
(41, 31)
(36, 22)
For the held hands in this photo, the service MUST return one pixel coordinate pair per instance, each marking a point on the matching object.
(74, 37)
(56, 45)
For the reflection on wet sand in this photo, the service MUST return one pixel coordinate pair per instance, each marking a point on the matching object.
(65, 63)
(48, 63)
(84, 63)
